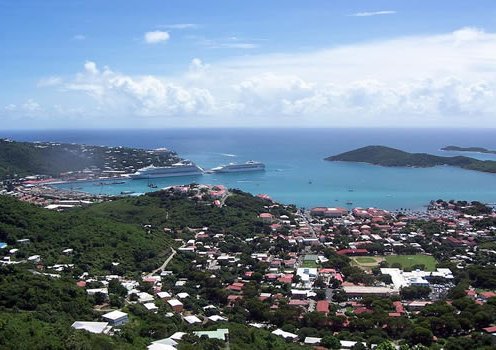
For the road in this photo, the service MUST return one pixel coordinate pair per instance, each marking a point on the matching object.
(164, 265)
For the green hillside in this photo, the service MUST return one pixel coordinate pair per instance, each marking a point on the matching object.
(48, 158)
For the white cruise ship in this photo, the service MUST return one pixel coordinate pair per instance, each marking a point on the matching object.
(237, 168)
(178, 169)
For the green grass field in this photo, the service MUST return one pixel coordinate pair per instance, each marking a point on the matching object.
(309, 264)
(408, 261)
(365, 260)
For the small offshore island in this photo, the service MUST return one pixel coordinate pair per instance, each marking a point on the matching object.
(468, 149)
(392, 157)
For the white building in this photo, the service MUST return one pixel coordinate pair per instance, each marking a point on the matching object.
(92, 327)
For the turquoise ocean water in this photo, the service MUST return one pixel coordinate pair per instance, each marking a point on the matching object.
(296, 172)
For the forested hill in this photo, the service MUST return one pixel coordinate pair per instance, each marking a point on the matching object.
(391, 157)
(127, 231)
(127, 237)
(97, 241)
(49, 158)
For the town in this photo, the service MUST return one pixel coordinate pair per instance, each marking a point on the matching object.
(325, 277)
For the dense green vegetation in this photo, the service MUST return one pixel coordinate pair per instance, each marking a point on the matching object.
(36, 312)
(387, 156)
(468, 149)
(97, 241)
(27, 158)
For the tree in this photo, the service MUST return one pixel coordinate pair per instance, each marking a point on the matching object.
(359, 346)
(100, 298)
(421, 335)
(385, 346)
(115, 287)
(330, 342)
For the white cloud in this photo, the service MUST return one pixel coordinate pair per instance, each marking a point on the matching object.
(90, 67)
(10, 107)
(31, 106)
(238, 45)
(373, 13)
(140, 95)
(432, 80)
(79, 37)
(229, 43)
(50, 81)
(156, 36)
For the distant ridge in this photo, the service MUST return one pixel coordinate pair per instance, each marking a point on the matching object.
(468, 149)
(392, 157)
(53, 158)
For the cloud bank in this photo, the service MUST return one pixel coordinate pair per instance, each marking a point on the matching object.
(436, 80)
(374, 13)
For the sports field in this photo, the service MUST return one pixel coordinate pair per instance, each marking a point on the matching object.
(310, 264)
(365, 260)
(407, 261)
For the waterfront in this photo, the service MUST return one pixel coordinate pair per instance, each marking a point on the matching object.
(296, 172)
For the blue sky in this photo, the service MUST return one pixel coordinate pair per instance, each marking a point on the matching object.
(247, 63)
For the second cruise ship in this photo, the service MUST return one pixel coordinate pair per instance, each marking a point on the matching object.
(178, 169)
(237, 168)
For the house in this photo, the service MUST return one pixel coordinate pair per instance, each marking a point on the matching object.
(487, 295)
(417, 305)
(164, 295)
(92, 327)
(490, 330)
(221, 334)
(312, 341)
(266, 217)
(116, 318)
(34, 258)
(217, 318)
(94, 291)
(322, 307)
(354, 291)
(151, 307)
(285, 335)
(192, 319)
(144, 297)
(182, 295)
(159, 346)
(236, 286)
(329, 212)
(163, 344)
(176, 305)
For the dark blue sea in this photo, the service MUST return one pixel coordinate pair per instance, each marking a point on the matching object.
(296, 172)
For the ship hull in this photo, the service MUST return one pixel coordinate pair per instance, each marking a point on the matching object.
(155, 176)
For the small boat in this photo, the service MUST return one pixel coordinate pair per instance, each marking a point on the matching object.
(118, 182)
(349, 203)
(310, 182)
(127, 192)
(152, 186)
